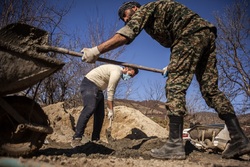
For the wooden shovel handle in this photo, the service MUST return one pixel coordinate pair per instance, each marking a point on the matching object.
(47, 48)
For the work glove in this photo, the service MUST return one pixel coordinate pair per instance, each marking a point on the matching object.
(110, 114)
(90, 55)
(165, 71)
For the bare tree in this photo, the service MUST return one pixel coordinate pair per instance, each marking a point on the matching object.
(39, 13)
(97, 32)
(234, 53)
(126, 89)
(47, 16)
(68, 80)
(153, 96)
(65, 84)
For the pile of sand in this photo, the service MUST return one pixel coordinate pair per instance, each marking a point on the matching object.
(127, 121)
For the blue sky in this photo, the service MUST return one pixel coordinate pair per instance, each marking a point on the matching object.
(143, 50)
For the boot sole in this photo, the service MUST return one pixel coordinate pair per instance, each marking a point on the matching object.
(172, 157)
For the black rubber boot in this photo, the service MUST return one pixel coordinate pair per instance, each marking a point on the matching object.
(174, 148)
(239, 143)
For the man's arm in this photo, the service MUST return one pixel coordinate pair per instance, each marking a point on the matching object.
(110, 104)
(90, 55)
(113, 82)
(113, 43)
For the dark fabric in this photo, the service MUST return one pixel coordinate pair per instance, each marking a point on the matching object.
(98, 119)
(93, 103)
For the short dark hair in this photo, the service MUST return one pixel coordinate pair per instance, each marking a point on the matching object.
(133, 68)
(125, 6)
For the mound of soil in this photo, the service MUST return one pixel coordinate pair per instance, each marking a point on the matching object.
(132, 137)
(127, 122)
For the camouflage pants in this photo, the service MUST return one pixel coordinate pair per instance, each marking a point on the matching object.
(194, 55)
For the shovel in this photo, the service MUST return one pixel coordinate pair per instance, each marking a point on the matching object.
(26, 39)
(108, 132)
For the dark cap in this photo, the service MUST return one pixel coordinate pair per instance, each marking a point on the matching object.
(125, 6)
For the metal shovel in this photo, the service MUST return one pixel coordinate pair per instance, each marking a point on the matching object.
(108, 132)
(26, 39)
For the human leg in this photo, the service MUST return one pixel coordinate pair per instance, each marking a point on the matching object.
(89, 93)
(239, 143)
(98, 118)
(173, 149)
(207, 76)
(184, 58)
(183, 64)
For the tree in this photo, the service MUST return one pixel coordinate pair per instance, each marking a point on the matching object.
(39, 13)
(65, 84)
(97, 32)
(234, 53)
(43, 15)
(125, 89)
(153, 96)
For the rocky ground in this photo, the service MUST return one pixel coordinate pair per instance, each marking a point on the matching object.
(132, 137)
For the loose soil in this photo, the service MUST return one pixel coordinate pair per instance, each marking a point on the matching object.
(132, 137)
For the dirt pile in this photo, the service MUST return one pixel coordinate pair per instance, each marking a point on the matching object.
(133, 136)
(128, 122)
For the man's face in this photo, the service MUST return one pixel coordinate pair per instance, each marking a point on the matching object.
(128, 14)
(130, 72)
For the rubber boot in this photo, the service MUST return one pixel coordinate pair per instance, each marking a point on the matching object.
(174, 148)
(239, 143)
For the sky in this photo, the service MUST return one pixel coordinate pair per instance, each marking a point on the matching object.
(143, 50)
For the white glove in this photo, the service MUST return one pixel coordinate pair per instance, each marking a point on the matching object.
(110, 114)
(165, 71)
(90, 55)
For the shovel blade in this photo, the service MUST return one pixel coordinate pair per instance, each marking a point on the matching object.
(21, 66)
(23, 35)
(108, 135)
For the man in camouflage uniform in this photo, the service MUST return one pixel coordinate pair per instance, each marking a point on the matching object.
(192, 43)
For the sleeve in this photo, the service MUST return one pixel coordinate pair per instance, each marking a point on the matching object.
(137, 23)
(127, 32)
(113, 82)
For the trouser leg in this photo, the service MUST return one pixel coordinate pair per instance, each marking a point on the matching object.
(185, 56)
(98, 118)
(89, 95)
(207, 77)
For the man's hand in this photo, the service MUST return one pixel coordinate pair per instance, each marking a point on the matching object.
(90, 55)
(110, 114)
(165, 72)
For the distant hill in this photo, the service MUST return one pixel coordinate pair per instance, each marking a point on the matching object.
(156, 111)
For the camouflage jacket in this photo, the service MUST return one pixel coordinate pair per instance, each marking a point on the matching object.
(165, 21)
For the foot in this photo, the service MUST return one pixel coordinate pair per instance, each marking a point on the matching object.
(169, 151)
(236, 150)
(76, 142)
